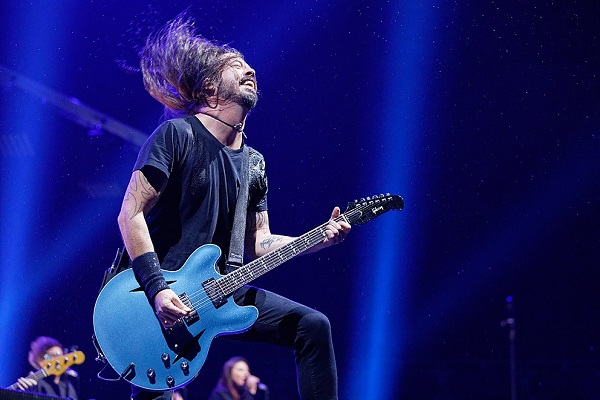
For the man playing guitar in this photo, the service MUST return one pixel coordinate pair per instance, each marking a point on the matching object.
(183, 192)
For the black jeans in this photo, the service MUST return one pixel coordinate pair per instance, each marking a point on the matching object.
(286, 323)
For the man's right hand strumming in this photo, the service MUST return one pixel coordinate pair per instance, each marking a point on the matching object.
(169, 307)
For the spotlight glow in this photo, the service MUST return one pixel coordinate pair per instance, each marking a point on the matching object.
(381, 304)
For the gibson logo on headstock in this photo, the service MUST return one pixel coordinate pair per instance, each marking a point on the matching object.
(380, 208)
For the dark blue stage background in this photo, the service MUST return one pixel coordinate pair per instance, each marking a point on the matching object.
(483, 115)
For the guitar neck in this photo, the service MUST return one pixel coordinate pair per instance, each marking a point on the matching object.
(37, 376)
(243, 275)
(357, 213)
(55, 366)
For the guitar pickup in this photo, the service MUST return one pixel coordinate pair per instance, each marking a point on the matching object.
(214, 293)
(193, 315)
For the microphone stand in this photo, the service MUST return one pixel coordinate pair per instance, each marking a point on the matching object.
(512, 331)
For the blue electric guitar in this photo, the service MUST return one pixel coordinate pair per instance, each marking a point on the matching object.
(142, 351)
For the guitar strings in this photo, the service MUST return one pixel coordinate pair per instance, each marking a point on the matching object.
(200, 300)
(266, 263)
(231, 280)
(204, 304)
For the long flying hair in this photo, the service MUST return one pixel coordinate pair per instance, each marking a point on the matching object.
(182, 69)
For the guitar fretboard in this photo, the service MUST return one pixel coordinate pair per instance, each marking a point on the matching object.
(241, 276)
(37, 376)
(358, 213)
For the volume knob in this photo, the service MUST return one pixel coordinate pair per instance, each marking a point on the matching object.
(170, 381)
(151, 375)
(185, 367)
(166, 359)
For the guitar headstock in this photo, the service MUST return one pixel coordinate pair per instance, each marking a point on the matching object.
(59, 364)
(364, 210)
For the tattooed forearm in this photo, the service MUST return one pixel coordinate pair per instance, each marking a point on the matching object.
(268, 242)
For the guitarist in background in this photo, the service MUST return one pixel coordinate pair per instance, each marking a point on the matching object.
(183, 192)
(65, 385)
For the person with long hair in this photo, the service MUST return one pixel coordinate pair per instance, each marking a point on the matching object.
(183, 194)
(237, 383)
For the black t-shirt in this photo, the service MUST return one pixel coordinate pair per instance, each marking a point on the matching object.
(197, 205)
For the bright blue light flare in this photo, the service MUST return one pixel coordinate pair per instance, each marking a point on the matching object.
(382, 290)
(22, 173)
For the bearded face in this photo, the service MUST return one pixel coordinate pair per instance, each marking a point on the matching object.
(238, 84)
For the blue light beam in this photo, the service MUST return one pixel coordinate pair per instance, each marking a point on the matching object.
(383, 286)
(23, 171)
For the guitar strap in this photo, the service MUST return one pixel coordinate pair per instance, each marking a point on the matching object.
(235, 259)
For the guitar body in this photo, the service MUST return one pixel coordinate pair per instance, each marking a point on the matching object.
(137, 345)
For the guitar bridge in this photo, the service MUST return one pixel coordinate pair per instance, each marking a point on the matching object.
(214, 293)
(193, 315)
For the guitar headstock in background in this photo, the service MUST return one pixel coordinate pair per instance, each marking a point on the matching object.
(59, 364)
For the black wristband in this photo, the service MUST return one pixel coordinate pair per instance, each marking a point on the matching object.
(146, 269)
